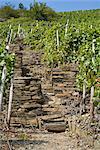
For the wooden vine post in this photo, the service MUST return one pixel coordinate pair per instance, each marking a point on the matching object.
(82, 104)
(8, 40)
(91, 103)
(84, 94)
(92, 88)
(57, 33)
(18, 32)
(3, 78)
(57, 39)
(11, 88)
(2, 86)
(10, 102)
(66, 28)
(10, 37)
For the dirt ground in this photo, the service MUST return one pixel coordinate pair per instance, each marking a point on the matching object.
(43, 140)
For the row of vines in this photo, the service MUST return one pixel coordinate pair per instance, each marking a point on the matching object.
(61, 43)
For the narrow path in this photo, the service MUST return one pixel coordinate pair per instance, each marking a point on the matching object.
(43, 140)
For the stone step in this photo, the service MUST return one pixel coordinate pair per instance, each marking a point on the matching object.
(66, 68)
(62, 95)
(27, 78)
(26, 93)
(62, 119)
(63, 74)
(64, 85)
(55, 127)
(57, 109)
(50, 94)
(23, 121)
(50, 117)
(27, 112)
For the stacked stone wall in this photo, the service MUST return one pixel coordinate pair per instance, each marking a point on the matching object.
(40, 91)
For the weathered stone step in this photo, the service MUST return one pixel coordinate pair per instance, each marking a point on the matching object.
(17, 121)
(32, 100)
(63, 85)
(50, 117)
(27, 112)
(57, 77)
(27, 78)
(62, 95)
(24, 115)
(63, 74)
(50, 94)
(55, 126)
(47, 87)
(49, 90)
(62, 80)
(27, 93)
(67, 86)
(67, 67)
(31, 105)
(52, 109)
(55, 120)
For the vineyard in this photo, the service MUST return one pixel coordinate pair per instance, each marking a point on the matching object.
(74, 38)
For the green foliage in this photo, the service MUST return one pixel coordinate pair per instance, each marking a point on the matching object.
(8, 12)
(8, 60)
(23, 136)
(75, 46)
(40, 11)
(80, 17)
(89, 59)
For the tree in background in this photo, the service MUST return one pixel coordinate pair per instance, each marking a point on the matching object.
(40, 11)
(21, 6)
(37, 11)
(8, 12)
(22, 10)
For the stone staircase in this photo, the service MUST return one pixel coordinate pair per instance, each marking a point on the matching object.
(64, 98)
(42, 96)
(62, 91)
(27, 97)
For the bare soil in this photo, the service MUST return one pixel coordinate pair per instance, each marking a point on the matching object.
(28, 139)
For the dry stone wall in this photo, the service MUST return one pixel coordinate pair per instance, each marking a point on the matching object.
(62, 88)
(42, 93)
(27, 97)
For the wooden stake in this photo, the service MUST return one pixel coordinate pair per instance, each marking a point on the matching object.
(66, 28)
(3, 78)
(82, 104)
(91, 103)
(92, 88)
(84, 94)
(57, 39)
(14, 35)
(93, 45)
(10, 102)
(18, 30)
(10, 36)
(2, 86)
